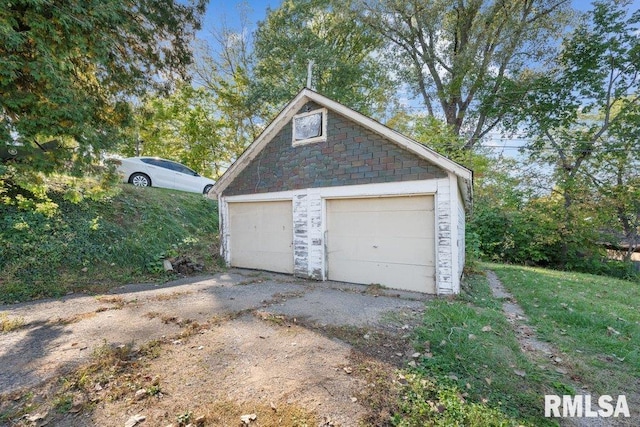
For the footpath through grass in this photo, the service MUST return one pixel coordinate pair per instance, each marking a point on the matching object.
(91, 245)
(593, 320)
(472, 371)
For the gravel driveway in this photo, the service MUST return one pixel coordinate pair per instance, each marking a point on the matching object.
(58, 335)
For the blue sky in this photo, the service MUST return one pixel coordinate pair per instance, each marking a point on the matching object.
(228, 10)
(219, 10)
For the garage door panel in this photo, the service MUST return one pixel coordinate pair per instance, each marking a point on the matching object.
(379, 204)
(405, 223)
(400, 250)
(261, 235)
(387, 240)
(414, 278)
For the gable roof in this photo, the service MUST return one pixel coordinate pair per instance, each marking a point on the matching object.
(464, 175)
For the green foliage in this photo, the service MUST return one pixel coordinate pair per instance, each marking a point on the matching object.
(440, 403)
(342, 49)
(466, 374)
(470, 62)
(225, 68)
(183, 127)
(69, 70)
(584, 127)
(91, 243)
(441, 137)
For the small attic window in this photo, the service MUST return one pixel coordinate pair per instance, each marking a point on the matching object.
(310, 127)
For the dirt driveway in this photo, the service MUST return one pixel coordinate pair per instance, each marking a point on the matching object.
(199, 350)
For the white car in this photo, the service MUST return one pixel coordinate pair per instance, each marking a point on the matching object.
(156, 172)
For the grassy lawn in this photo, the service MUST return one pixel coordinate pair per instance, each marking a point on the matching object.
(471, 371)
(594, 320)
(92, 245)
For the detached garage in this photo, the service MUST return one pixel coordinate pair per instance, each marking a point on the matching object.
(327, 193)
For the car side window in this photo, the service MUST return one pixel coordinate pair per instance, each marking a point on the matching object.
(153, 162)
(167, 165)
(185, 170)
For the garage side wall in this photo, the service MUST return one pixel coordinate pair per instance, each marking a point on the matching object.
(461, 236)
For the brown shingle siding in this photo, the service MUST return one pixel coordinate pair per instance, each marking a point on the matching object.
(350, 155)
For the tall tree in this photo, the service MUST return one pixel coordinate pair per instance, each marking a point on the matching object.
(593, 95)
(69, 68)
(224, 67)
(469, 60)
(616, 180)
(344, 52)
(184, 126)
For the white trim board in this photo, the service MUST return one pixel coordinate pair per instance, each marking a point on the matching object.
(363, 190)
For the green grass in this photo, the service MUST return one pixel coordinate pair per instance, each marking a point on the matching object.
(595, 320)
(92, 245)
(471, 369)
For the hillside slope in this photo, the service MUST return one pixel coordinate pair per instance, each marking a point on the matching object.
(94, 245)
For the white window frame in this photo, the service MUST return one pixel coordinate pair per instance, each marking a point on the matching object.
(321, 138)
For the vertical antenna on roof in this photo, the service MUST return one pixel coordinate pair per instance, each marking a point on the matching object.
(309, 74)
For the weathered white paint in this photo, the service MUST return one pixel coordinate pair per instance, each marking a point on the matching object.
(309, 219)
(323, 134)
(300, 235)
(461, 239)
(453, 194)
(444, 247)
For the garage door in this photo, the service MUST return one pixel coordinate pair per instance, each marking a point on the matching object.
(261, 235)
(388, 241)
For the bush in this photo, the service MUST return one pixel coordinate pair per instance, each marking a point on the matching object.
(92, 242)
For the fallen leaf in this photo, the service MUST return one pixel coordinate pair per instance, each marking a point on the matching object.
(486, 328)
(131, 422)
(37, 417)
(488, 380)
(246, 419)
(140, 394)
(520, 373)
(611, 331)
(472, 337)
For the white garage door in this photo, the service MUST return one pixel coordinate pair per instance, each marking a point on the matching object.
(388, 241)
(261, 235)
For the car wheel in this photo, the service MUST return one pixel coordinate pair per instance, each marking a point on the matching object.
(207, 189)
(140, 180)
